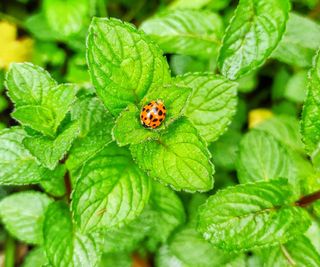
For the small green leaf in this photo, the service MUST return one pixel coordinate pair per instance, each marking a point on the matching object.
(179, 157)
(187, 32)
(300, 41)
(253, 33)
(188, 249)
(23, 213)
(119, 259)
(66, 17)
(212, 103)
(123, 63)
(310, 123)
(63, 244)
(40, 103)
(50, 150)
(95, 131)
(111, 190)
(247, 216)
(17, 165)
(262, 158)
(297, 87)
(297, 252)
(54, 184)
(35, 258)
(129, 129)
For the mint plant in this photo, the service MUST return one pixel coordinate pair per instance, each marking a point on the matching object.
(86, 184)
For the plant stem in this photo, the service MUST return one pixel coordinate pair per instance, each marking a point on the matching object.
(102, 8)
(67, 183)
(308, 199)
(9, 253)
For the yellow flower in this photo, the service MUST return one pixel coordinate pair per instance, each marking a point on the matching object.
(11, 48)
(258, 115)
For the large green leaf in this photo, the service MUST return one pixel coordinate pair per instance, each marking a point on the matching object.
(23, 213)
(17, 165)
(111, 190)
(253, 215)
(35, 258)
(187, 32)
(123, 63)
(64, 244)
(253, 33)
(212, 103)
(179, 157)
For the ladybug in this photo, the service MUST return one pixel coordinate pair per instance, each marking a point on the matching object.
(153, 114)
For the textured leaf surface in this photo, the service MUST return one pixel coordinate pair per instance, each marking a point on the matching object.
(63, 244)
(116, 259)
(298, 252)
(23, 213)
(49, 151)
(300, 41)
(179, 158)
(17, 165)
(35, 258)
(187, 32)
(247, 216)
(253, 33)
(310, 123)
(54, 181)
(262, 157)
(187, 248)
(95, 131)
(123, 63)
(212, 103)
(111, 190)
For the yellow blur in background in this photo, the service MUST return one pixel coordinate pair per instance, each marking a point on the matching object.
(11, 48)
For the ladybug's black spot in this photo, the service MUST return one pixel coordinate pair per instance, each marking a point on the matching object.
(161, 120)
(154, 120)
(149, 104)
(150, 117)
(155, 109)
(145, 126)
(148, 110)
(143, 109)
(164, 107)
(141, 116)
(160, 113)
(154, 125)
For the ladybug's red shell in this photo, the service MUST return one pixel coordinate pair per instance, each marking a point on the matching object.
(153, 114)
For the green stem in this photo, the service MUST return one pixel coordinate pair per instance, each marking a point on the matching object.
(102, 8)
(9, 252)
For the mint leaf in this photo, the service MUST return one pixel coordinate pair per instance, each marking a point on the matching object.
(300, 41)
(212, 103)
(17, 165)
(123, 63)
(128, 128)
(110, 191)
(187, 32)
(116, 259)
(262, 158)
(253, 33)
(179, 157)
(310, 124)
(64, 244)
(54, 184)
(297, 87)
(187, 248)
(261, 215)
(48, 150)
(35, 258)
(297, 252)
(66, 17)
(95, 131)
(23, 213)
(40, 103)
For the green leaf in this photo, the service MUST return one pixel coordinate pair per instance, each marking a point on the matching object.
(297, 86)
(40, 103)
(300, 41)
(128, 128)
(64, 244)
(66, 17)
(179, 157)
(212, 103)
(116, 259)
(17, 165)
(297, 252)
(95, 131)
(310, 123)
(23, 213)
(187, 32)
(262, 158)
(248, 216)
(54, 184)
(198, 4)
(123, 63)
(50, 150)
(110, 191)
(253, 33)
(187, 248)
(35, 258)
